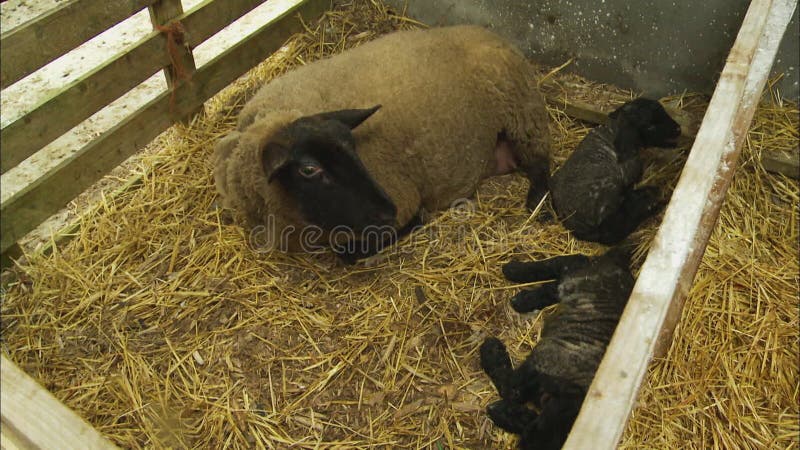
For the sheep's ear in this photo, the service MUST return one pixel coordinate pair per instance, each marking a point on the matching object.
(626, 107)
(274, 157)
(350, 117)
(225, 146)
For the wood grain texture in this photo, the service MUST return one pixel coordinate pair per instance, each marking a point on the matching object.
(45, 38)
(32, 418)
(85, 96)
(53, 190)
(162, 13)
(645, 329)
(784, 163)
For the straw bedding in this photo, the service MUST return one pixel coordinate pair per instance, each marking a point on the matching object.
(161, 325)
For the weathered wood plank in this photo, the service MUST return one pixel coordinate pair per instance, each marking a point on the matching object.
(784, 163)
(595, 114)
(162, 13)
(29, 207)
(10, 255)
(646, 326)
(32, 418)
(45, 38)
(87, 95)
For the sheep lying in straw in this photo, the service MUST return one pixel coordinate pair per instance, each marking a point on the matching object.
(592, 293)
(458, 104)
(593, 191)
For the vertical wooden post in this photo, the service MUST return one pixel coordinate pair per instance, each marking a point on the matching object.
(32, 418)
(654, 308)
(162, 12)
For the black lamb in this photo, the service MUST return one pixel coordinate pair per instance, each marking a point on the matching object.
(593, 193)
(554, 378)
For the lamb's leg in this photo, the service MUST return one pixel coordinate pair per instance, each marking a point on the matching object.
(535, 299)
(497, 364)
(546, 269)
(553, 424)
(512, 417)
(637, 206)
(514, 385)
(632, 169)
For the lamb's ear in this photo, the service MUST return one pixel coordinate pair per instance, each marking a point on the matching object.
(350, 117)
(274, 157)
(626, 107)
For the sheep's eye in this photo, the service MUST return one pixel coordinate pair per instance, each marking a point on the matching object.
(310, 171)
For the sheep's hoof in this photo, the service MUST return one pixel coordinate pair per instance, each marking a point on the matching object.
(516, 271)
(511, 417)
(494, 357)
(545, 216)
(530, 300)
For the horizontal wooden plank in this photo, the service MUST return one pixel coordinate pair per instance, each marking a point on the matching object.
(90, 93)
(32, 418)
(784, 163)
(645, 329)
(597, 115)
(10, 255)
(45, 38)
(51, 192)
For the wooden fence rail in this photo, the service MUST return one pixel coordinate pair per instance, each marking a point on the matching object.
(32, 418)
(29, 207)
(69, 25)
(85, 96)
(645, 329)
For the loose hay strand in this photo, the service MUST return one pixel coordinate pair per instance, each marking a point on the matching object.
(161, 326)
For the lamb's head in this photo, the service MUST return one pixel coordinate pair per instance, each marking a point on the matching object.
(654, 125)
(314, 159)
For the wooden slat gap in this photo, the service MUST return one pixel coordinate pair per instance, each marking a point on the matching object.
(109, 81)
(73, 22)
(36, 202)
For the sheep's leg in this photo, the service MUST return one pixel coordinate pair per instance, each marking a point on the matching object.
(637, 206)
(538, 174)
(546, 269)
(553, 424)
(535, 299)
(631, 171)
(497, 364)
(514, 385)
(512, 417)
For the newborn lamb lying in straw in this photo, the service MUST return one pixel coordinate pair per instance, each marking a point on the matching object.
(592, 293)
(593, 192)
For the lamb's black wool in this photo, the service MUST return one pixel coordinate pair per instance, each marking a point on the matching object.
(593, 191)
(592, 293)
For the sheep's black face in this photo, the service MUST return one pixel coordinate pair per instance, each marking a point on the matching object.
(656, 127)
(327, 179)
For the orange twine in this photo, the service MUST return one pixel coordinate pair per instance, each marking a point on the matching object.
(175, 34)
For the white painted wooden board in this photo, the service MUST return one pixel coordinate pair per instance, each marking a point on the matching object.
(32, 418)
(654, 308)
